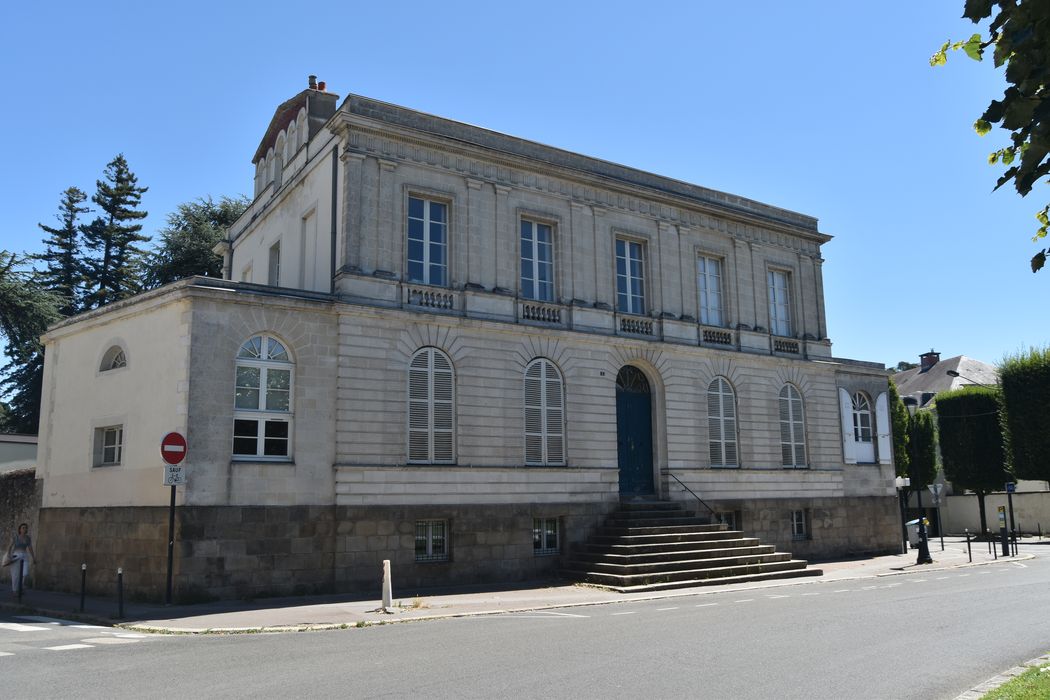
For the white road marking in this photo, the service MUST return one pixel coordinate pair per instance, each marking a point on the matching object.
(561, 614)
(841, 590)
(633, 612)
(6, 653)
(90, 627)
(38, 618)
(810, 594)
(1017, 563)
(66, 647)
(963, 575)
(940, 578)
(706, 605)
(745, 600)
(665, 609)
(982, 573)
(868, 588)
(772, 597)
(16, 627)
(918, 580)
(130, 636)
(108, 640)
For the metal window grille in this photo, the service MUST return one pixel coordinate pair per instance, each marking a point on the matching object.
(545, 536)
(431, 540)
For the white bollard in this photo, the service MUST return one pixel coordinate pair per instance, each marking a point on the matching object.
(388, 594)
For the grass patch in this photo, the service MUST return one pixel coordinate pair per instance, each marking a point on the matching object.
(1033, 684)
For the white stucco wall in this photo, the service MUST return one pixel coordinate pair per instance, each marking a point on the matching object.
(148, 398)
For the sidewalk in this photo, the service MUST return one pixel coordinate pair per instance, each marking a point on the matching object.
(334, 611)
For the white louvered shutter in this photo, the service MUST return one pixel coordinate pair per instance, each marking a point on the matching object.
(544, 414)
(431, 408)
(849, 445)
(443, 396)
(792, 428)
(721, 422)
(882, 428)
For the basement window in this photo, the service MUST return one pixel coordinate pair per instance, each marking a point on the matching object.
(545, 539)
(431, 540)
(800, 524)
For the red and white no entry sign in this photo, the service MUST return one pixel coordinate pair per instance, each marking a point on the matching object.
(173, 448)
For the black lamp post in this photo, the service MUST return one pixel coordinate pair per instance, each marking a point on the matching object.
(924, 546)
(902, 482)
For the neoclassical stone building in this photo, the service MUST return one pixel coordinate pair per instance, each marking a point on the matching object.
(457, 350)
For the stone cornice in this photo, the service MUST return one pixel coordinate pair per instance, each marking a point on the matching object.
(498, 158)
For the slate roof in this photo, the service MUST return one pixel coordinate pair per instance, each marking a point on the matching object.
(912, 382)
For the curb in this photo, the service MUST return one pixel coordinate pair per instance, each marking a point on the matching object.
(978, 691)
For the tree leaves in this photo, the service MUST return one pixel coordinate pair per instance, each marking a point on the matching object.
(1020, 34)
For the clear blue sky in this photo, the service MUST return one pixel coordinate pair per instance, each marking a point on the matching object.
(827, 108)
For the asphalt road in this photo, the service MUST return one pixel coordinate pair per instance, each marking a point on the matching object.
(911, 636)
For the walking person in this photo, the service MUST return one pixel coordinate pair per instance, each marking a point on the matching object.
(19, 554)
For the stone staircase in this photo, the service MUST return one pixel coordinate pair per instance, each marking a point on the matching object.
(659, 545)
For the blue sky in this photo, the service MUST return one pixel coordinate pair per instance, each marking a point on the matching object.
(827, 108)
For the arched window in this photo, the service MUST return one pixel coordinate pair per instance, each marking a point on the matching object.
(544, 414)
(721, 423)
(300, 127)
(861, 418)
(115, 358)
(263, 405)
(431, 408)
(269, 165)
(292, 143)
(792, 428)
(278, 157)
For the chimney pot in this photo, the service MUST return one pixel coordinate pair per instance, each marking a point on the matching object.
(320, 86)
(312, 82)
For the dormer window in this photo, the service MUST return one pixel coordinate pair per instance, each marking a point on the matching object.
(115, 358)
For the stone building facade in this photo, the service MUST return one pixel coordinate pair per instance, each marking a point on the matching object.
(458, 350)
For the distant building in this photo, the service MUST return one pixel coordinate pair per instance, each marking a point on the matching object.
(931, 376)
(458, 350)
(17, 452)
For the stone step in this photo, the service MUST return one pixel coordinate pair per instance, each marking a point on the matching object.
(739, 578)
(690, 565)
(631, 515)
(667, 521)
(650, 505)
(686, 545)
(668, 533)
(691, 574)
(609, 557)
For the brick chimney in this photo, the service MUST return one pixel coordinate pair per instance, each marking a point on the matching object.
(928, 360)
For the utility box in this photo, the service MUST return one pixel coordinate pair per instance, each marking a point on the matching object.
(913, 533)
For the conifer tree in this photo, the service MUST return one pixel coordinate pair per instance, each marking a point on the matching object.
(64, 271)
(118, 267)
(26, 309)
(187, 240)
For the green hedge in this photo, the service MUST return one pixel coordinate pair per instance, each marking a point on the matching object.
(971, 440)
(1025, 380)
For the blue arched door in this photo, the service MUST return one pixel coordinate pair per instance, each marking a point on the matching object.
(634, 432)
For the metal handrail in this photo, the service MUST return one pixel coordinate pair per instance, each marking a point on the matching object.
(680, 483)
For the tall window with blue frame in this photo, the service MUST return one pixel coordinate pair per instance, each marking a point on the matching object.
(537, 261)
(427, 241)
(630, 276)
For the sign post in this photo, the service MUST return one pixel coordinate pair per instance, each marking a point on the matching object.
(1002, 531)
(172, 451)
(1010, 488)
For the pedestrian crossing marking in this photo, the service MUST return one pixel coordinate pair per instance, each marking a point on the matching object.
(66, 647)
(18, 627)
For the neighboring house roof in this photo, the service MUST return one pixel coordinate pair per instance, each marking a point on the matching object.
(17, 452)
(925, 385)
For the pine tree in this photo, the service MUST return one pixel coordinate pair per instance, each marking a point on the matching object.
(117, 271)
(64, 271)
(26, 309)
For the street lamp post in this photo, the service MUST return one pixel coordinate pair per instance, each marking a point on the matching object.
(924, 546)
(902, 482)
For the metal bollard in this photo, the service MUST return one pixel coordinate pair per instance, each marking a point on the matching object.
(995, 550)
(969, 553)
(120, 593)
(83, 585)
(21, 577)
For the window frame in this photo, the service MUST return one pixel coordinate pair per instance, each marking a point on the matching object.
(800, 525)
(779, 326)
(263, 415)
(796, 443)
(541, 537)
(428, 539)
(99, 446)
(703, 293)
(721, 419)
(545, 409)
(858, 414)
(114, 353)
(630, 296)
(535, 225)
(273, 264)
(428, 199)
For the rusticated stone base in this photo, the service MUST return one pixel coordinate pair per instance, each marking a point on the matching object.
(837, 527)
(229, 552)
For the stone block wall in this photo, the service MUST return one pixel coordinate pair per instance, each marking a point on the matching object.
(231, 552)
(19, 502)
